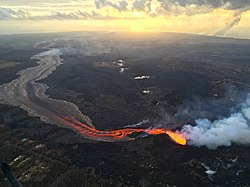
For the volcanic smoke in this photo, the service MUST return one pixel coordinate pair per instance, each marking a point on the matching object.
(221, 132)
(234, 129)
(27, 93)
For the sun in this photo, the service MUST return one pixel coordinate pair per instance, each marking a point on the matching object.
(137, 28)
(137, 14)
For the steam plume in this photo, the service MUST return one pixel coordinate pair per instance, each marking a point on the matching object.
(235, 21)
(222, 132)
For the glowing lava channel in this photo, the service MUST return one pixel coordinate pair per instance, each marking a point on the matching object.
(120, 134)
(28, 93)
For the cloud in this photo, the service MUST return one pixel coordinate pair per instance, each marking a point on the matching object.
(139, 5)
(7, 14)
(175, 7)
(120, 5)
(151, 7)
(238, 4)
(77, 15)
(91, 9)
(10, 14)
(71, 15)
(197, 7)
(226, 4)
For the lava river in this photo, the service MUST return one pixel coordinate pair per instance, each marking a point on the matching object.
(27, 93)
(120, 134)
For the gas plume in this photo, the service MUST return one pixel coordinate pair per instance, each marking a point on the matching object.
(234, 129)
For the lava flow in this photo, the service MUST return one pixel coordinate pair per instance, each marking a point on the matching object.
(119, 134)
(27, 93)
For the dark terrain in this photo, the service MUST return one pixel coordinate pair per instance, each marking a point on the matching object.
(213, 73)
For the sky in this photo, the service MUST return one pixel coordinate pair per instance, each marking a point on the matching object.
(229, 18)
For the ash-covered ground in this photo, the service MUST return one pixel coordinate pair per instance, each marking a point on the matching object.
(118, 80)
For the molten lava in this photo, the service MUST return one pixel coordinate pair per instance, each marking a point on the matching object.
(177, 137)
(119, 134)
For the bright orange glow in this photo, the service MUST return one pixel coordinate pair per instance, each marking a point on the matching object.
(177, 137)
(119, 134)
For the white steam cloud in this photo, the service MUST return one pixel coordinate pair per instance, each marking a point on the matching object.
(223, 132)
(235, 21)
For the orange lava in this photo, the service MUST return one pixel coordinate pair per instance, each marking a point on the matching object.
(119, 134)
(177, 137)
